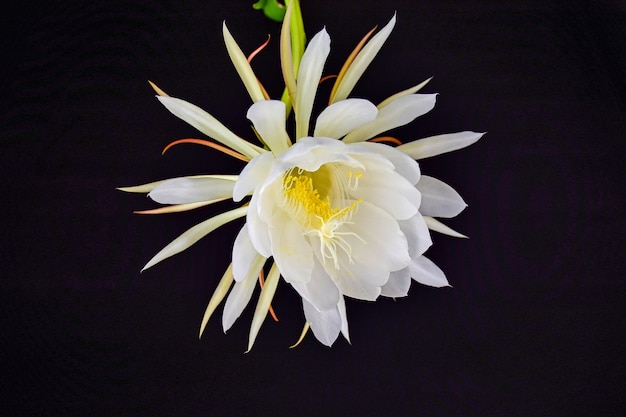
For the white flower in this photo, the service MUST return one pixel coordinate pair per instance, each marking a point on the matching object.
(338, 215)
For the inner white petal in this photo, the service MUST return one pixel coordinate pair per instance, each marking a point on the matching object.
(424, 271)
(291, 250)
(243, 254)
(268, 118)
(342, 117)
(320, 291)
(417, 235)
(326, 324)
(253, 175)
(438, 198)
(389, 191)
(398, 284)
(385, 246)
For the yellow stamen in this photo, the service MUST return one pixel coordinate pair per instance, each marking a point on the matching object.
(314, 211)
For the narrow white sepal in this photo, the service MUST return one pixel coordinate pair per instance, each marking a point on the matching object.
(194, 234)
(208, 125)
(363, 59)
(399, 112)
(243, 254)
(217, 297)
(408, 91)
(242, 66)
(192, 190)
(146, 188)
(142, 189)
(424, 271)
(308, 78)
(437, 226)
(241, 293)
(265, 299)
(436, 145)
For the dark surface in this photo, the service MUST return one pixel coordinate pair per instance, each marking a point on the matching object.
(534, 325)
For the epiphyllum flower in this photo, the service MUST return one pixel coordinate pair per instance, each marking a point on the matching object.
(338, 214)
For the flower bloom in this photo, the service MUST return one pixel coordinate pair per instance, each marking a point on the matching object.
(338, 214)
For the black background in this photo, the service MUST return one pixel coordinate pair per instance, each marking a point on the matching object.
(533, 326)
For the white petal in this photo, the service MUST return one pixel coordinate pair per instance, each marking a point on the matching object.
(397, 113)
(398, 284)
(435, 145)
(243, 254)
(377, 247)
(252, 175)
(411, 90)
(320, 291)
(270, 194)
(340, 118)
(194, 234)
(362, 61)
(389, 191)
(402, 163)
(424, 271)
(268, 118)
(438, 198)
(385, 246)
(241, 293)
(262, 306)
(258, 229)
(344, 319)
(417, 235)
(242, 66)
(308, 78)
(357, 280)
(192, 190)
(437, 226)
(291, 249)
(208, 125)
(326, 325)
(310, 154)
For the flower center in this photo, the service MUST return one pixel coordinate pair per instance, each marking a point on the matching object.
(319, 201)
